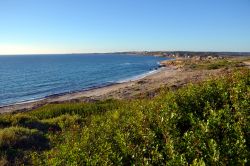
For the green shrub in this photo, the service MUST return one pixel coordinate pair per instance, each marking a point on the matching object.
(31, 122)
(63, 121)
(201, 124)
(5, 121)
(19, 137)
(82, 109)
(16, 141)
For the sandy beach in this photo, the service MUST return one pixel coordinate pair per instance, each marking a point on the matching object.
(168, 76)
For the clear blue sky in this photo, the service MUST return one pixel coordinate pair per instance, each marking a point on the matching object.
(66, 26)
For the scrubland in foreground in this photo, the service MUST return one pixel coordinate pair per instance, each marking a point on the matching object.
(203, 123)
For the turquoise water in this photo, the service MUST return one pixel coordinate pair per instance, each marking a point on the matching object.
(30, 77)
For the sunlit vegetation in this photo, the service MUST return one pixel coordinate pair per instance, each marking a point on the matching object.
(212, 64)
(206, 123)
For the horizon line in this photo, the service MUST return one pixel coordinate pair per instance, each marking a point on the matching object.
(125, 52)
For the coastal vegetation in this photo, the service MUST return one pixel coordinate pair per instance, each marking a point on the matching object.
(206, 123)
(198, 63)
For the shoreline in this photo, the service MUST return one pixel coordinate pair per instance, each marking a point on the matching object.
(171, 74)
(54, 95)
(133, 78)
(74, 95)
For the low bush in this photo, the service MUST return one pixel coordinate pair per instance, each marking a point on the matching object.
(63, 121)
(5, 121)
(82, 109)
(16, 142)
(23, 138)
(212, 64)
(202, 124)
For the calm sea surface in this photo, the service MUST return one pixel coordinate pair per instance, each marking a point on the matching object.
(25, 78)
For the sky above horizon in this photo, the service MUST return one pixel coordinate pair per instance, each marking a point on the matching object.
(87, 26)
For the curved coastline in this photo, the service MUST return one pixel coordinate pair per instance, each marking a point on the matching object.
(29, 78)
(34, 103)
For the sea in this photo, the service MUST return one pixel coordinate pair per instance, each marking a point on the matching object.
(24, 78)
